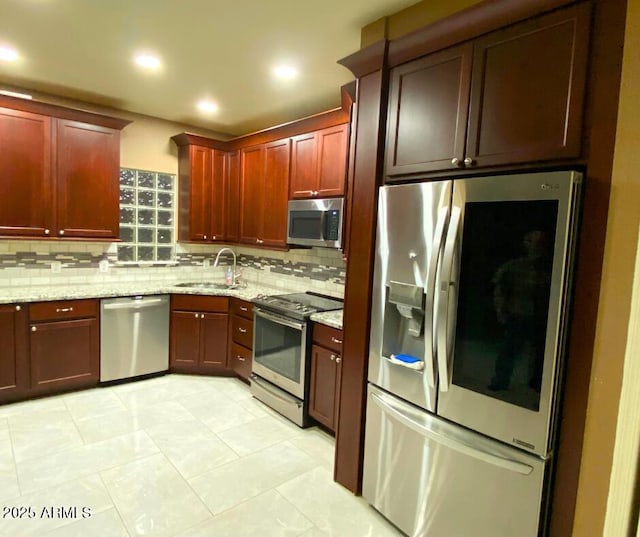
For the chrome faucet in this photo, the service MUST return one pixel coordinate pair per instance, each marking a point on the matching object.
(215, 263)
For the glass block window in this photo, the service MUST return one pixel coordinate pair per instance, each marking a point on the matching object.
(147, 207)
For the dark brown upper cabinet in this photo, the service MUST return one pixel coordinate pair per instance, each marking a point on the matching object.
(59, 172)
(202, 193)
(264, 184)
(87, 185)
(513, 96)
(319, 163)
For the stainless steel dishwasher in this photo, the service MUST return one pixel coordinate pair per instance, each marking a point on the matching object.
(134, 336)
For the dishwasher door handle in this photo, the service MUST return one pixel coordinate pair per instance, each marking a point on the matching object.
(134, 304)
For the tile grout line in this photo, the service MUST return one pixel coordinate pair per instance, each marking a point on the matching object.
(124, 525)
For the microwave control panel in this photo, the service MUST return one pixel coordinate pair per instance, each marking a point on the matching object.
(331, 225)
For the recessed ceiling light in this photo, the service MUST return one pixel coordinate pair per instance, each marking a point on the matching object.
(8, 54)
(285, 72)
(208, 107)
(148, 61)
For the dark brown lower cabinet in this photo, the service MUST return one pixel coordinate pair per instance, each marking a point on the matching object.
(14, 365)
(326, 376)
(241, 346)
(199, 334)
(64, 353)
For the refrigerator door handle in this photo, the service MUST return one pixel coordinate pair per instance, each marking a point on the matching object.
(429, 340)
(476, 452)
(445, 283)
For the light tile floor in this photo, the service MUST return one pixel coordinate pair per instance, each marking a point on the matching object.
(174, 456)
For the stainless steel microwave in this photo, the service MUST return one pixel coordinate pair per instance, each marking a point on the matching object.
(315, 222)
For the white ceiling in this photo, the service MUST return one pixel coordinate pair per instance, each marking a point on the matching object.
(225, 51)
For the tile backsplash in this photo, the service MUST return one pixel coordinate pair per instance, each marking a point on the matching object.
(31, 262)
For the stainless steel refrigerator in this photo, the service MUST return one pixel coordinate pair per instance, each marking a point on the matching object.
(468, 326)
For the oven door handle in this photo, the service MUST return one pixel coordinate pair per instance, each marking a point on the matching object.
(278, 319)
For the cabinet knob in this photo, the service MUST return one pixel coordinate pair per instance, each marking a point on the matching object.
(34, 329)
(338, 360)
(47, 231)
(205, 237)
(18, 308)
(456, 161)
(61, 232)
(314, 193)
(213, 237)
(333, 357)
(469, 161)
(197, 315)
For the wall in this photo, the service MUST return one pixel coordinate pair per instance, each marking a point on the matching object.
(29, 263)
(615, 295)
(410, 19)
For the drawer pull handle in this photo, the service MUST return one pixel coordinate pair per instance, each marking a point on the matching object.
(242, 330)
(240, 358)
(336, 340)
(64, 310)
(243, 308)
(338, 360)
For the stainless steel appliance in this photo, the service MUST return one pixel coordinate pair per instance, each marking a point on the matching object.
(468, 326)
(134, 336)
(316, 222)
(281, 351)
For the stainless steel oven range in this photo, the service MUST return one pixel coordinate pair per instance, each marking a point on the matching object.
(281, 351)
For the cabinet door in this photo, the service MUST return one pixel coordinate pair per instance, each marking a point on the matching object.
(64, 354)
(218, 197)
(87, 184)
(304, 166)
(232, 171)
(325, 386)
(14, 367)
(276, 194)
(197, 204)
(214, 337)
(185, 340)
(251, 192)
(332, 160)
(25, 180)
(528, 90)
(428, 107)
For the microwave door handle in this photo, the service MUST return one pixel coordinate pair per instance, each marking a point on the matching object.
(445, 283)
(429, 340)
(323, 225)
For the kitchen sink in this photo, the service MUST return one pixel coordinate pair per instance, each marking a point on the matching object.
(207, 285)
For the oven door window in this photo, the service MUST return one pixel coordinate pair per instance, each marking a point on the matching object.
(278, 348)
(305, 224)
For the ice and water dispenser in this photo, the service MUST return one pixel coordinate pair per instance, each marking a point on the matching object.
(402, 338)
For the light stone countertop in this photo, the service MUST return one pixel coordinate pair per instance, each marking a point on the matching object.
(44, 293)
(37, 293)
(330, 318)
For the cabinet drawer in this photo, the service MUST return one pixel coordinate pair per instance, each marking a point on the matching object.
(240, 360)
(328, 337)
(242, 331)
(212, 304)
(63, 309)
(242, 308)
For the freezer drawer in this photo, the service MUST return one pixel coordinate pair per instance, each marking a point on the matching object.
(434, 479)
